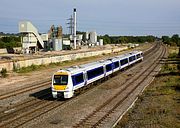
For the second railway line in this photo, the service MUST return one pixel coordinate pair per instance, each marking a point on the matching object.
(46, 83)
(104, 112)
(44, 107)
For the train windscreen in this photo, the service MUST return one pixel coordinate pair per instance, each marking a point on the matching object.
(60, 79)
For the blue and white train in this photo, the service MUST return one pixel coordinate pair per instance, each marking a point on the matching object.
(66, 81)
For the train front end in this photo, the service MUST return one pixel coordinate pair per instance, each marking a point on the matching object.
(62, 84)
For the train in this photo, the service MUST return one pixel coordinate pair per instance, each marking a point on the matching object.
(66, 81)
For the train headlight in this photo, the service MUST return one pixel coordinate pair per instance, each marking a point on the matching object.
(67, 87)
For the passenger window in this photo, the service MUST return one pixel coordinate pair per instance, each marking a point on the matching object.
(108, 67)
(124, 61)
(95, 72)
(116, 64)
(78, 78)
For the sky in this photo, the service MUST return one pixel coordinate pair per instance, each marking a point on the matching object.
(112, 17)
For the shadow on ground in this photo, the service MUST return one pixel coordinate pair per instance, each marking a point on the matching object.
(45, 94)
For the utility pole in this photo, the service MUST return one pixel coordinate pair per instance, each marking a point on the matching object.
(73, 26)
(70, 23)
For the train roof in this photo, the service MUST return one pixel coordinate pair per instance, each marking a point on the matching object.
(92, 64)
(80, 68)
(123, 56)
(73, 69)
(136, 52)
(126, 55)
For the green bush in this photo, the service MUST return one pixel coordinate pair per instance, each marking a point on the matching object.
(4, 72)
(10, 42)
(28, 69)
(173, 55)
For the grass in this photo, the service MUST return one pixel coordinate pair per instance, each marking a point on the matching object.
(159, 105)
(78, 61)
(30, 68)
(51, 65)
(34, 67)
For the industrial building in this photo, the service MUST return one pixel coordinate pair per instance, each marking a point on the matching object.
(77, 40)
(55, 36)
(32, 41)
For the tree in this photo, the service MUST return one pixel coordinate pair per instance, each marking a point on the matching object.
(166, 39)
(150, 38)
(106, 39)
(175, 38)
(123, 39)
(10, 42)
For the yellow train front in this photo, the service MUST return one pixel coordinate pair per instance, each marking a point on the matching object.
(62, 84)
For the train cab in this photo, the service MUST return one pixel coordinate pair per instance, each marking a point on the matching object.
(61, 84)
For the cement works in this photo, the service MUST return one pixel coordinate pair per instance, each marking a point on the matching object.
(32, 41)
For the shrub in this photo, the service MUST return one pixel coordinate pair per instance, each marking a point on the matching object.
(173, 55)
(4, 72)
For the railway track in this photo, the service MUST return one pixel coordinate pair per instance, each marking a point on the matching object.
(46, 83)
(20, 116)
(106, 110)
(23, 107)
(32, 114)
(25, 89)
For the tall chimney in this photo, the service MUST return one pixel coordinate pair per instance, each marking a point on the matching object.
(74, 28)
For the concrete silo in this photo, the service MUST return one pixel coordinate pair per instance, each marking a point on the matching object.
(93, 37)
(57, 44)
(101, 42)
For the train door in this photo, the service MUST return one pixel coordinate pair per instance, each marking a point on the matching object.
(85, 78)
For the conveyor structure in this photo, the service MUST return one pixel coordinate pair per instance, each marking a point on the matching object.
(32, 39)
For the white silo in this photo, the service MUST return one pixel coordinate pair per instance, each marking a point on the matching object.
(87, 35)
(93, 37)
(101, 42)
(57, 44)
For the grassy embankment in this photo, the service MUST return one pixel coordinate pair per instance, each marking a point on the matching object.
(51, 65)
(65, 63)
(69, 63)
(158, 106)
